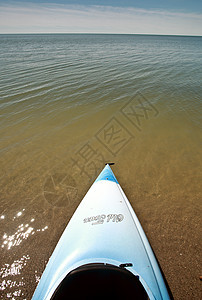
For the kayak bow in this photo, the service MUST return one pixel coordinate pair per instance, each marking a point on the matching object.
(103, 247)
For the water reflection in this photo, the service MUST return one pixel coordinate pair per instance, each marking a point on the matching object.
(13, 283)
(13, 269)
(22, 233)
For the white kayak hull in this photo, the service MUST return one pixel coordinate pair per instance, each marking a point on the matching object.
(104, 229)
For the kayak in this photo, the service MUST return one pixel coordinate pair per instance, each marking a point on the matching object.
(103, 251)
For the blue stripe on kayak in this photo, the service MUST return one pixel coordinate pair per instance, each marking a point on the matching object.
(107, 174)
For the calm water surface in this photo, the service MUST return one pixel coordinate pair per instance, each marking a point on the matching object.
(69, 103)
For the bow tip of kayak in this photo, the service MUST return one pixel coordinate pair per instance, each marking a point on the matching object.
(107, 174)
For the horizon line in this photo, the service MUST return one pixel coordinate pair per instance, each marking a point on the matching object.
(99, 33)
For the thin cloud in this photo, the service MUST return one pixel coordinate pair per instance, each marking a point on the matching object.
(59, 18)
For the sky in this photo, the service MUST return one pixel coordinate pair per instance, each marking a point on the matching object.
(172, 17)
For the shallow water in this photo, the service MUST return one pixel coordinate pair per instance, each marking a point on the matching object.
(69, 103)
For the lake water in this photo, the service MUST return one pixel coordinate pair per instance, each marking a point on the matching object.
(69, 103)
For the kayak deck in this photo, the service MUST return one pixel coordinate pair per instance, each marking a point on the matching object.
(103, 230)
